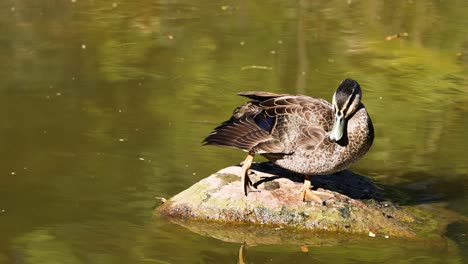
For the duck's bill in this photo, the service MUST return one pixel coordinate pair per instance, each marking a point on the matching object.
(338, 128)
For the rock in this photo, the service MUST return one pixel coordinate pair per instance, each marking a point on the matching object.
(357, 206)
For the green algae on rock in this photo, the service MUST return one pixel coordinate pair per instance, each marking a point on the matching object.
(357, 205)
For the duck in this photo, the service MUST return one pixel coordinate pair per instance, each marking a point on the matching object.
(302, 134)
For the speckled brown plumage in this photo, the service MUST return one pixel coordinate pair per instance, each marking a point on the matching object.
(292, 132)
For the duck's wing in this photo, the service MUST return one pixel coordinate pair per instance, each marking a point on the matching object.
(248, 127)
(311, 111)
(263, 125)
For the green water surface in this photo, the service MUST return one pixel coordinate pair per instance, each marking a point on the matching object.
(104, 104)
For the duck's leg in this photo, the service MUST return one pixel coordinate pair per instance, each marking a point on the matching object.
(246, 182)
(308, 195)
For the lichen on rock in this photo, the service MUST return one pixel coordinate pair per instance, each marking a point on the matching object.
(357, 206)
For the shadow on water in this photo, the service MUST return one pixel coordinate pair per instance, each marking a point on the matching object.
(457, 232)
(426, 188)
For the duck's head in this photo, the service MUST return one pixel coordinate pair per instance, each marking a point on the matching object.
(346, 102)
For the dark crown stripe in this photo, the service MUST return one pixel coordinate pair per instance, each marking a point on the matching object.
(349, 102)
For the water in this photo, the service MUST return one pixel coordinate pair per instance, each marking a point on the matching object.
(104, 105)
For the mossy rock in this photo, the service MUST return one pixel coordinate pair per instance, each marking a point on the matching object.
(358, 206)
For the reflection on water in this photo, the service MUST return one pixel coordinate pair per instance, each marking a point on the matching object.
(104, 105)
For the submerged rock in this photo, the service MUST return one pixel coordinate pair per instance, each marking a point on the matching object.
(357, 205)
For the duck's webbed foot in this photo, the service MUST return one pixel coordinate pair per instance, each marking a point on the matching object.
(308, 195)
(246, 182)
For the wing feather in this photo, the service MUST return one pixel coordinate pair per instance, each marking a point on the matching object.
(274, 123)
